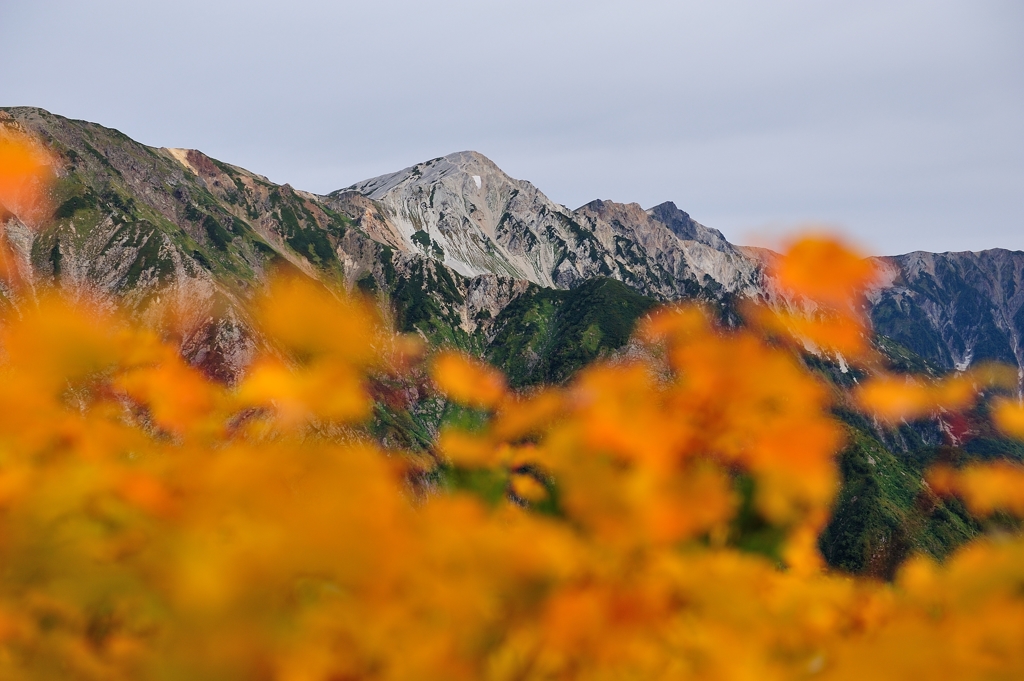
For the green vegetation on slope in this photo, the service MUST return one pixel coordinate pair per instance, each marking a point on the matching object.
(885, 512)
(546, 335)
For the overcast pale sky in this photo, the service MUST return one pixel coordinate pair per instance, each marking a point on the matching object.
(899, 122)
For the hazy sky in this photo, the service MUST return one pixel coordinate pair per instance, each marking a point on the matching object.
(900, 122)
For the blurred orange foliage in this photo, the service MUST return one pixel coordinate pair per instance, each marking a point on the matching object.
(468, 382)
(984, 488)
(824, 270)
(157, 525)
(26, 171)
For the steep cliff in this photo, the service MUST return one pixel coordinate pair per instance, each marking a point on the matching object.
(954, 309)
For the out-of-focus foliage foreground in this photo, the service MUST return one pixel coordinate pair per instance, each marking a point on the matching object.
(658, 517)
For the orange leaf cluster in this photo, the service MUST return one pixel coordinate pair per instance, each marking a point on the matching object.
(325, 346)
(826, 282)
(824, 270)
(892, 399)
(468, 382)
(1009, 417)
(157, 525)
(26, 171)
(985, 488)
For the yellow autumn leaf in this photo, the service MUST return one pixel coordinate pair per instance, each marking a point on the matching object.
(464, 449)
(527, 487)
(467, 381)
(985, 488)
(26, 173)
(1009, 417)
(825, 270)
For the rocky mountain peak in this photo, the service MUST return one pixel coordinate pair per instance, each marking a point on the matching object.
(460, 209)
(686, 228)
(609, 209)
(463, 210)
(464, 168)
(606, 218)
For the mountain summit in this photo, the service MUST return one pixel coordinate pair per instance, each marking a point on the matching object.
(463, 210)
(466, 212)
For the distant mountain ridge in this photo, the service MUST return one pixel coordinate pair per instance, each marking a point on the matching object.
(449, 242)
(951, 308)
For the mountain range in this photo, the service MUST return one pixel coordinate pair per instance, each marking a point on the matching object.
(453, 233)
(467, 256)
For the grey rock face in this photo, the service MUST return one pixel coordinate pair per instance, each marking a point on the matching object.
(464, 211)
(688, 229)
(954, 308)
(653, 259)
